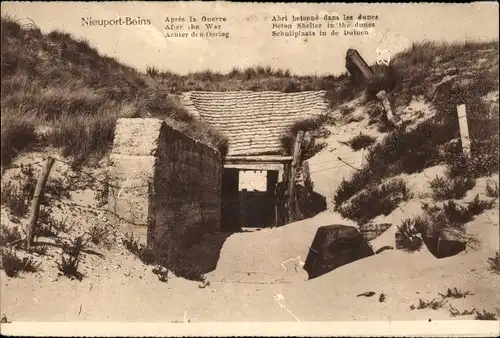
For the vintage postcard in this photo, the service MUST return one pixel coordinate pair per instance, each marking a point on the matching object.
(249, 169)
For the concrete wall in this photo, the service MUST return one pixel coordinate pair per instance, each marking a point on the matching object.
(187, 179)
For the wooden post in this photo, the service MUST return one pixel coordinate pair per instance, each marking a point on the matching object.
(35, 203)
(307, 185)
(382, 96)
(292, 206)
(464, 129)
(151, 213)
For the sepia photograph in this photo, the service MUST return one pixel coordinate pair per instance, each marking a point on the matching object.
(229, 168)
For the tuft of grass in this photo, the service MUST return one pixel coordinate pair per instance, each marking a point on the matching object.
(455, 312)
(12, 264)
(40, 250)
(455, 188)
(494, 263)
(375, 200)
(410, 233)
(455, 293)
(485, 315)
(99, 234)
(64, 85)
(492, 191)
(9, 236)
(361, 141)
(18, 134)
(145, 254)
(17, 193)
(315, 127)
(162, 273)
(152, 71)
(70, 258)
(477, 206)
(434, 304)
(435, 218)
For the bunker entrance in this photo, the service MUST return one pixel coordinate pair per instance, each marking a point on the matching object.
(250, 198)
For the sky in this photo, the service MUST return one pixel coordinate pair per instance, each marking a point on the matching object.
(250, 40)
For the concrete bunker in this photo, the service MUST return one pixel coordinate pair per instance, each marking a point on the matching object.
(165, 187)
(254, 123)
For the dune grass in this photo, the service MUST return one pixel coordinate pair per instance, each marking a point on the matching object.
(60, 84)
(430, 143)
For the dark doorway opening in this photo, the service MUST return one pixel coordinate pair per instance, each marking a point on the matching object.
(247, 204)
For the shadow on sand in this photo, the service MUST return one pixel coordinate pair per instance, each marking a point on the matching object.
(205, 254)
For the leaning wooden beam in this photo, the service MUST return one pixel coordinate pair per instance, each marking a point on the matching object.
(382, 96)
(35, 202)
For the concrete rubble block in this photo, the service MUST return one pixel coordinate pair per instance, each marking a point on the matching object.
(446, 242)
(334, 246)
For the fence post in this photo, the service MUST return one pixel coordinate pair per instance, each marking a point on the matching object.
(35, 202)
(382, 96)
(464, 129)
(292, 205)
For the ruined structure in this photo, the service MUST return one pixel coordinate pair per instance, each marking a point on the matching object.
(254, 123)
(357, 66)
(165, 187)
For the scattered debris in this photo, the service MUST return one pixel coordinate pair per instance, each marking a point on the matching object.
(366, 294)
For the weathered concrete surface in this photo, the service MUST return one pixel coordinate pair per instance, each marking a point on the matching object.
(187, 179)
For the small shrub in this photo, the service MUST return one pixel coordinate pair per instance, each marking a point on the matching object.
(381, 298)
(455, 293)
(455, 188)
(50, 227)
(433, 304)
(70, 258)
(454, 312)
(456, 214)
(204, 284)
(69, 267)
(344, 110)
(39, 250)
(410, 233)
(18, 134)
(361, 141)
(162, 273)
(494, 263)
(492, 191)
(477, 206)
(152, 71)
(12, 264)
(45, 226)
(374, 201)
(313, 125)
(387, 78)
(485, 315)
(99, 234)
(145, 254)
(9, 236)
(4, 319)
(18, 197)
